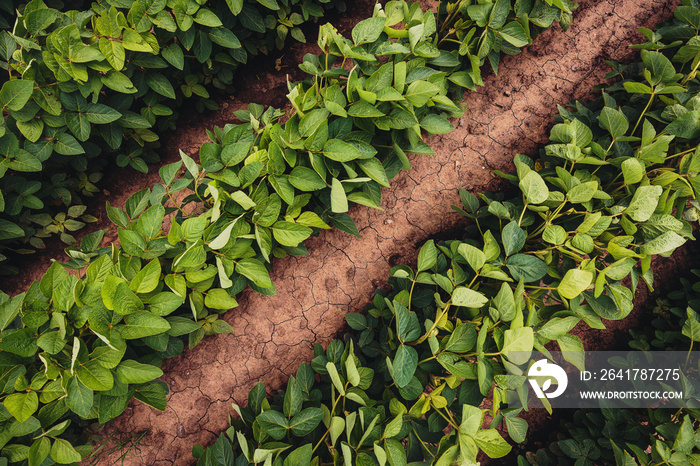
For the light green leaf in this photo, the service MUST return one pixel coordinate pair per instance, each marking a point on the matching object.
(143, 324)
(339, 201)
(147, 279)
(644, 202)
(518, 344)
(368, 30)
(463, 296)
(63, 452)
(130, 371)
(575, 282)
(218, 298)
(534, 188)
(16, 93)
(340, 151)
(614, 121)
(254, 271)
(290, 234)
(22, 405)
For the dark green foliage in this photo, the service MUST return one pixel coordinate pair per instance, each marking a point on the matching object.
(86, 87)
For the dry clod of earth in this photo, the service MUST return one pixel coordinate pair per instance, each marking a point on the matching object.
(273, 335)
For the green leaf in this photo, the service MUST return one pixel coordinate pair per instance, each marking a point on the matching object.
(254, 271)
(534, 188)
(518, 344)
(644, 202)
(142, 324)
(301, 455)
(218, 298)
(345, 223)
(575, 282)
(405, 363)
(436, 124)
(290, 234)
(67, 145)
(94, 376)
(63, 452)
(39, 451)
(153, 395)
(225, 38)
(130, 371)
(306, 421)
(658, 65)
(514, 34)
(407, 326)
(463, 296)
(633, 170)
(206, 17)
(161, 85)
(340, 151)
(614, 121)
(51, 342)
(114, 52)
(274, 423)
(475, 257)
(368, 30)
(583, 192)
(147, 279)
(10, 309)
(339, 201)
(665, 243)
(306, 179)
(686, 126)
(427, 257)
(16, 93)
(395, 452)
(375, 170)
(235, 6)
(79, 398)
(22, 405)
(513, 238)
(491, 443)
(526, 267)
(251, 18)
(101, 114)
(173, 54)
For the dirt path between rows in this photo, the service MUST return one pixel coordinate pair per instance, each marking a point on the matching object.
(273, 335)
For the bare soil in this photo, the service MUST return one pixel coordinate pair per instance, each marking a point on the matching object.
(512, 113)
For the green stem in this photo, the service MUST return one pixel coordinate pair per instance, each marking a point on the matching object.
(639, 120)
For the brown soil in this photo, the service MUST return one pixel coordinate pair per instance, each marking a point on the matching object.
(273, 335)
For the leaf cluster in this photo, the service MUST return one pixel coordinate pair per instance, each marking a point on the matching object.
(76, 348)
(84, 88)
(637, 436)
(615, 187)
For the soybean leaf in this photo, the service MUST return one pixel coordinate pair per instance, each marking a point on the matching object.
(405, 363)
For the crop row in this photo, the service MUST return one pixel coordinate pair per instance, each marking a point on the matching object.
(88, 88)
(426, 365)
(80, 348)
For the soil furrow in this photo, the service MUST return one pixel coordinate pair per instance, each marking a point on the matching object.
(273, 335)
